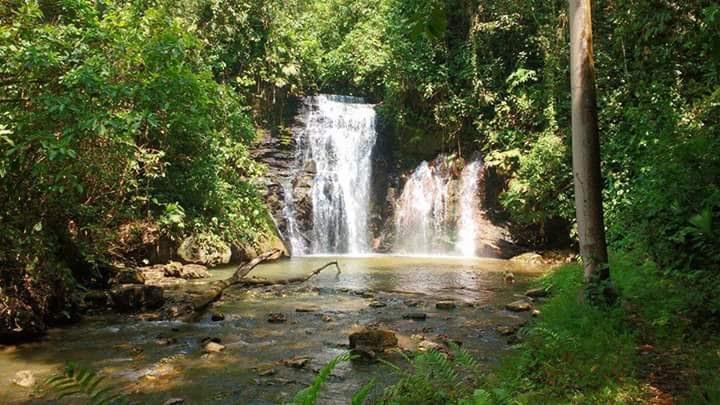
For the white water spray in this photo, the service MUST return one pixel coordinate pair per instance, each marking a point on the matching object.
(469, 208)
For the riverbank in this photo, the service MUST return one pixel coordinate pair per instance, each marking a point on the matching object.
(647, 349)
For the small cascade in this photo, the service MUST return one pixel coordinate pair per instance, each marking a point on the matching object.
(293, 235)
(337, 140)
(422, 211)
(437, 213)
(469, 208)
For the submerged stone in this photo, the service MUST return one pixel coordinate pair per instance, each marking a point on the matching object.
(445, 305)
(416, 316)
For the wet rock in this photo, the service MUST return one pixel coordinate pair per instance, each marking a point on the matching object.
(377, 304)
(95, 299)
(204, 249)
(528, 258)
(297, 362)
(535, 312)
(416, 316)
(506, 330)
(326, 318)
(217, 317)
(165, 341)
(371, 341)
(129, 276)
(267, 373)
(445, 305)
(174, 401)
(367, 294)
(212, 347)
(24, 378)
(537, 292)
(135, 297)
(427, 345)
(519, 306)
(411, 303)
(186, 272)
(277, 317)
(307, 308)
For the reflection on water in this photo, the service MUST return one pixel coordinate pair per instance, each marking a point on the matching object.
(154, 361)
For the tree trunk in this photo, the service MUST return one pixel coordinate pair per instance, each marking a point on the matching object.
(586, 152)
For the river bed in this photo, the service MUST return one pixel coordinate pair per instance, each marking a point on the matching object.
(153, 361)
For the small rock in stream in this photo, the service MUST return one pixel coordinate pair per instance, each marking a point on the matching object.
(326, 318)
(307, 308)
(519, 306)
(277, 317)
(217, 317)
(537, 292)
(377, 304)
(371, 341)
(445, 305)
(411, 303)
(506, 330)
(416, 316)
(297, 362)
(24, 378)
(174, 401)
(212, 347)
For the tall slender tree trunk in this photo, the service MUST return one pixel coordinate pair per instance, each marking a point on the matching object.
(586, 151)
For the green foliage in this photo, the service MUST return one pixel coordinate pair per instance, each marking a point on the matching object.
(77, 381)
(435, 378)
(577, 353)
(309, 395)
(111, 114)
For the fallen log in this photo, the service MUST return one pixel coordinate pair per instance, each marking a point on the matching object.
(294, 280)
(216, 289)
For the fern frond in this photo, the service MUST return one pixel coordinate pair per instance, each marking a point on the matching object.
(308, 396)
(77, 380)
(362, 394)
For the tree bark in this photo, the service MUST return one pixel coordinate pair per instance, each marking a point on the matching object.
(586, 148)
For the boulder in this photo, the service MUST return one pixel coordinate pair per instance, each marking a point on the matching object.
(204, 249)
(529, 258)
(186, 272)
(370, 341)
(129, 276)
(136, 297)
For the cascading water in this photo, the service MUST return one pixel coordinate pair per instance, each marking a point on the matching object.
(469, 207)
(421, 214)
(431, 210)
(339, 137)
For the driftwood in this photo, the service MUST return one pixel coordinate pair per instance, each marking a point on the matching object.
(217, 288)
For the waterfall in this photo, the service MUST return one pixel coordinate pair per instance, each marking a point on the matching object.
(432, 209)
(422, 210)
(338, 138)
(469, 207)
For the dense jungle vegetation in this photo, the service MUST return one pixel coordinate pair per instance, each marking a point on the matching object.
(123, 121)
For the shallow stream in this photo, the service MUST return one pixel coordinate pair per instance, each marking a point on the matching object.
(153, 361)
